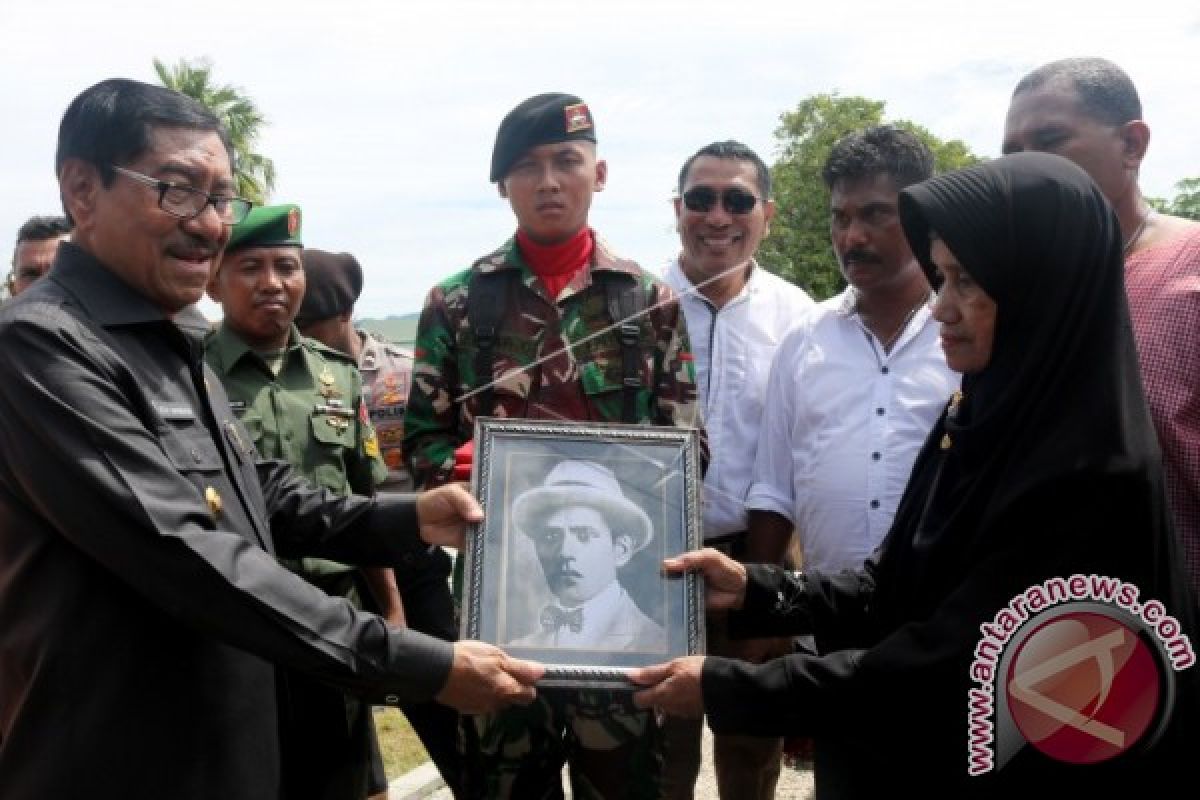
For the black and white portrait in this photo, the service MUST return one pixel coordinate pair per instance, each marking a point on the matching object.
(566, 567)
(584, 530)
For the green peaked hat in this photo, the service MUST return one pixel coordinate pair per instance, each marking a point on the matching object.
(267, 226)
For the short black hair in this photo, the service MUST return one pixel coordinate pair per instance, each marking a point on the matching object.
(1105, 91)
(735, 150)
(878, 150)
(39, 229)
(111, 123)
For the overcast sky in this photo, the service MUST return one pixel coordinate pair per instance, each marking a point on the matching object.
(382, 114)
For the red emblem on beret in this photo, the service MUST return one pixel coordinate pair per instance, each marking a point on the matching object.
(293, 221)
(578, 117)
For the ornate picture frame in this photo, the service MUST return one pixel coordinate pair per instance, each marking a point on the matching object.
(566, 567)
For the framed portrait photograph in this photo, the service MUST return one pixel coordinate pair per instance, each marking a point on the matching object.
(566, 567)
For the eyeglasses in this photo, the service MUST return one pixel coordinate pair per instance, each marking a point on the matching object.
(703, 198)
(27, 274)
(187, 202)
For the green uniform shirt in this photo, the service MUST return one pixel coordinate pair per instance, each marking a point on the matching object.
(310, 414)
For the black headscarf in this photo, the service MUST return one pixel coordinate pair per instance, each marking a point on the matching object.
(1061, 396)
(1047, 468)
(1049, 465)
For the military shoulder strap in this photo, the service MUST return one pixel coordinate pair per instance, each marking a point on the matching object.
(486, 297)
(625, 299)
(626, 302)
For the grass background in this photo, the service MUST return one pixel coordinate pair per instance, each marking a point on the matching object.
(401, 749)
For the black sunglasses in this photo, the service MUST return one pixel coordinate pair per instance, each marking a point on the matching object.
(703, 198)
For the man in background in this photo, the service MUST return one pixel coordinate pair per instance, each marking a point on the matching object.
(857, 385)
(333, 284)
(737, 313)
(37, 243)
(1088, 110)
(302, 403)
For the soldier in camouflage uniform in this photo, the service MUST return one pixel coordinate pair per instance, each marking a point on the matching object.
(334, 282)
(556, 354)
(302, 403)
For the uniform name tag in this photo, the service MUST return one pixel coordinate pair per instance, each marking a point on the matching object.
(175, 412)
(334, 411)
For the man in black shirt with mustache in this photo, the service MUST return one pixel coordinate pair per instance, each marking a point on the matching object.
(142, 610)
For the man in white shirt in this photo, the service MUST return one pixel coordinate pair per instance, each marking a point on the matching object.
(855, 389)
(737, 313)
(584, 529)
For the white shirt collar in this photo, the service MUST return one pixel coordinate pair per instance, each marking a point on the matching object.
(750, 287)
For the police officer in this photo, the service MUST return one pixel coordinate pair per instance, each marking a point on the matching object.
(334, 282)
(302, 403)
(529, 331)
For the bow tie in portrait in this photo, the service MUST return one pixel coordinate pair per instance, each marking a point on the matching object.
(554, 618)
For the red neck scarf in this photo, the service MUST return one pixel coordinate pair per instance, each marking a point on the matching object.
(556, 264)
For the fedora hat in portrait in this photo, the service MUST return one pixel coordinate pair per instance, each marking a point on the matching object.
(583, 483)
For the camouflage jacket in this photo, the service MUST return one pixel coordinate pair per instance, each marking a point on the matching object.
(545, 365)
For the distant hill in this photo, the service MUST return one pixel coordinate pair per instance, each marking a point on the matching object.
(401, 329)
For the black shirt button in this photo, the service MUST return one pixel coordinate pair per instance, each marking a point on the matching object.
(875, 456)
(879, 411)
(874, 504)
(884, 370)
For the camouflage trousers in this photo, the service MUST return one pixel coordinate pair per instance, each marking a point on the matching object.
(614, 751)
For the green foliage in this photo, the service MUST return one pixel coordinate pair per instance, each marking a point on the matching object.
(254, 172)
(1187, 199)
(1159, 204)
(798, 248)
(402, 751)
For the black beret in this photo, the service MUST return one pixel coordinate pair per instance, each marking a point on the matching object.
(335, 281)
(542, 119)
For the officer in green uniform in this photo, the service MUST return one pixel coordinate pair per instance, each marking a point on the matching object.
(334, 283)
(302, 403)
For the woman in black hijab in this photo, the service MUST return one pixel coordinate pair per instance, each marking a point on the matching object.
(964, 660)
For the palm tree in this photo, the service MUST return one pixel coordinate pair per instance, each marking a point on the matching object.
(254, 172)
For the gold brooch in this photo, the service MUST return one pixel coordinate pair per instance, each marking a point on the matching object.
(955, 402)
(214, 501)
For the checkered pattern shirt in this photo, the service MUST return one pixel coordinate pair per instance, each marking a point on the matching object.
(1163, 283)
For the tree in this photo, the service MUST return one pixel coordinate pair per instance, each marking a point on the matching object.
(1186, 202)
(798, 248)
(254, 172)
